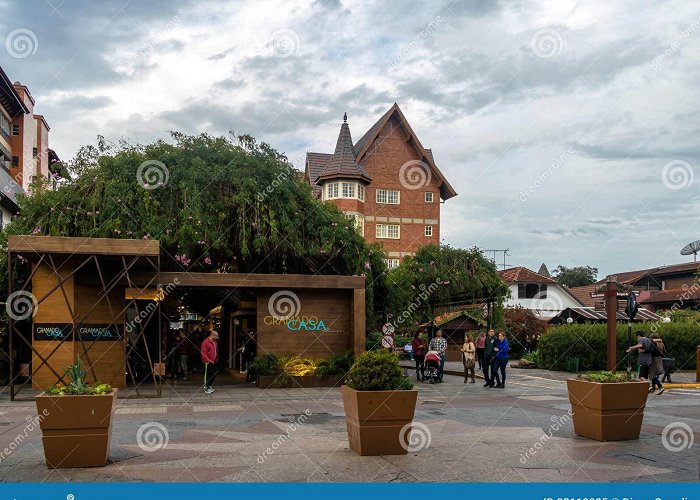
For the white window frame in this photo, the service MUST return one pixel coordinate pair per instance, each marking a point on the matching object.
(359, 221)
(429, 194)
(348, 189)
(428, 231)
(382, 196)
(385, 231)
(360, 192)
(392, 263)
(332, 190)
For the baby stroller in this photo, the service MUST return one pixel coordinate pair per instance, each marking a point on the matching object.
(432, 367)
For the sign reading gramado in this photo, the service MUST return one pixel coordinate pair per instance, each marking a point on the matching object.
(52, 331)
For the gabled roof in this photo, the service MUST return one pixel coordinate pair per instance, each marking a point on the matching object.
(583, 294)
(315, 163)
(590, 314)
(342, 163)
(631, 277)
(361, 147)
(523, 275)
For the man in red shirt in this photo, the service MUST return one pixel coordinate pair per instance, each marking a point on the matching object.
(210, 355)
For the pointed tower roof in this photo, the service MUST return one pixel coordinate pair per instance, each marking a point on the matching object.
(342, 163)
(544, 271)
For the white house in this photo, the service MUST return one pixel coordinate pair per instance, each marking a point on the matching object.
(544, 296)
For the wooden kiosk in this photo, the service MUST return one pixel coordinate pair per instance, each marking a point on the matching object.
(79, 290)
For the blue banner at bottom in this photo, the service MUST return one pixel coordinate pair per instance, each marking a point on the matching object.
(343, 491)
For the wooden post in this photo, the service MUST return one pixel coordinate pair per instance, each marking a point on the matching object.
(611, 311)
(697, 366)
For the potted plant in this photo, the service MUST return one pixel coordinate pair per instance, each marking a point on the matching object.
(76, 421)
(607, 406)
(379, 403)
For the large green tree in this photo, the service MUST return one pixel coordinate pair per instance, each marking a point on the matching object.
(214, 203)
(440, 274)
(575, 276)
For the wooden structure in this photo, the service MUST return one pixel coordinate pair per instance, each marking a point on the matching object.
(82, 288)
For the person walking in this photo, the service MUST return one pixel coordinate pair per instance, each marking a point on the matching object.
(644, 360)
(489, 358)
(418, 347)
(210, 355)
(657, 362)
(439, 344)
(480, 349)
(181, 353)
(501, 359)
(469, 358)
(528, 344)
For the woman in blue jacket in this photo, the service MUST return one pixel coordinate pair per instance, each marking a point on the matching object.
(501, 360)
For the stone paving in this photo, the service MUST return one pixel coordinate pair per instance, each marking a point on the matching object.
(241, 433)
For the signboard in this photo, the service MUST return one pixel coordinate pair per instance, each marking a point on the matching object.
(99, 332)
(62, 331)
(388, 329)
(51, 331)
(387, 342)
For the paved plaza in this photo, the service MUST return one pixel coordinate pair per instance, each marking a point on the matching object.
(463, 433)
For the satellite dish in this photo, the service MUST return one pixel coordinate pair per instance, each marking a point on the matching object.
(692, 249)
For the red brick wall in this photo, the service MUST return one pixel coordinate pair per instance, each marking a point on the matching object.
(383, 161)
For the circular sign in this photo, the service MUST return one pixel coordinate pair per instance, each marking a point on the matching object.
(387, 342)
(388, 329)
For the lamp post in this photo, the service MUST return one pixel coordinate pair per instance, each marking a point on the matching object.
(631, 311)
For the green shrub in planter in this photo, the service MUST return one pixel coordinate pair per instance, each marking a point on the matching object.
(377, 371)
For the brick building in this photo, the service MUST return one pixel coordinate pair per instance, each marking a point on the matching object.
(387, 181)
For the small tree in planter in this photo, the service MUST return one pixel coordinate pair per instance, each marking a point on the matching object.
(379, 403)
(607, 406)
(77, 421)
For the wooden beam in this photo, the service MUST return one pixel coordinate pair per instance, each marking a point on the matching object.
(235, 280)
(81, 246)
(358, 321)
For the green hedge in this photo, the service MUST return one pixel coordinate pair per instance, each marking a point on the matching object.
(588, 343)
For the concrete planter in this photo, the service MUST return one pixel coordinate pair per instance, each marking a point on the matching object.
(607, 411)
(274, 382)
(375, 420)
(76, 430)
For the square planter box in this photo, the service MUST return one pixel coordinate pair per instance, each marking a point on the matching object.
(273, 382)
(375, 420)
(607, 412)
(76, 430)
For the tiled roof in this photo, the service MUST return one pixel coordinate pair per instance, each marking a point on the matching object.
(630, 277)
(673, 295)
(591, 314)
(342, 163)
(583, 294)
(523, 275)
(315, 163)
(373, 131)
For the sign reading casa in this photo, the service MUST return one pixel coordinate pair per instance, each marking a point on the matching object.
(298, 323)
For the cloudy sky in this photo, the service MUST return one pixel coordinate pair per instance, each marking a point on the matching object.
(570, 130)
